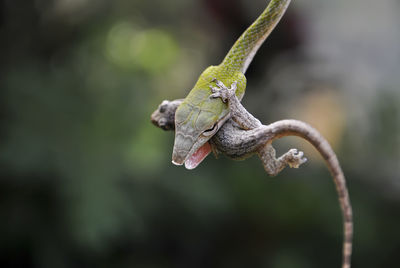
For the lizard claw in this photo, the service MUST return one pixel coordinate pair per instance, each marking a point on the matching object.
(295, 158)
(221, 91)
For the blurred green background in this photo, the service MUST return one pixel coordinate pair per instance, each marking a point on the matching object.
(87, 181)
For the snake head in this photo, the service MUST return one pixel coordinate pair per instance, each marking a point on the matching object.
(194, 126)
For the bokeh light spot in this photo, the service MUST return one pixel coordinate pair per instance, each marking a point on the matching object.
(152, 50)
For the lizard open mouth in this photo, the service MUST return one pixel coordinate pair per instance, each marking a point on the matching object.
(195, 159)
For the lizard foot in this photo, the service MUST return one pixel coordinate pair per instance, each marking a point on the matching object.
(221, 91)
(295, 158)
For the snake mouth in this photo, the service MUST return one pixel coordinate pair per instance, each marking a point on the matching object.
(193, 160)
(197, 157)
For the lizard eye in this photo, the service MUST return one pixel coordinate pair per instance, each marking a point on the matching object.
(211, 131)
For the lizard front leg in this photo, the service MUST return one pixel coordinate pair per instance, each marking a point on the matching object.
(239, 114)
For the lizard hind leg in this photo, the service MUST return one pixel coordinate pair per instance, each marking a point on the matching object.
(272, 165)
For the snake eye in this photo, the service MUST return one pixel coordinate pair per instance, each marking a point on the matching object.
(211, 130)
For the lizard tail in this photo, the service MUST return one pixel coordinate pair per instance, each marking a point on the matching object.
(301, 129)
(244, 49)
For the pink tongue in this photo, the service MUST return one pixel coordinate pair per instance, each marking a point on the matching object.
(198, 156)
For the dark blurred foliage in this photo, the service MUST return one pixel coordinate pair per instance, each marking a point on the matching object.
(86, 180)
